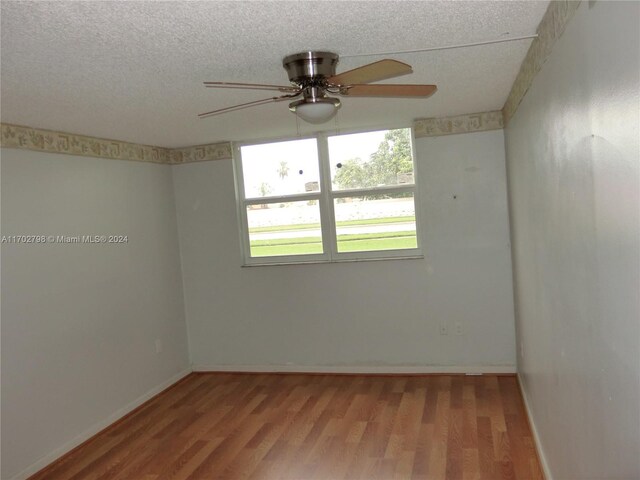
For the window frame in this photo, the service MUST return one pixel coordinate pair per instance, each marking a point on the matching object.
(325, 197)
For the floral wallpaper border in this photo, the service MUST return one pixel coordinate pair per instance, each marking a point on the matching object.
(201, 153)
(28, 138)
(471, 122)
(16, 136)
(549, 30)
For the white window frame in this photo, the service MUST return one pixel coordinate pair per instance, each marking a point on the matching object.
(325, 197)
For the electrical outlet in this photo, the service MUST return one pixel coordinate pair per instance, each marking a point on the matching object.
(443, 329)
(158, 345)
(459, 329)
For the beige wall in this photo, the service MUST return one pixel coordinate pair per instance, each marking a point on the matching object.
(366, 316)
(79, 322)
(574, 175)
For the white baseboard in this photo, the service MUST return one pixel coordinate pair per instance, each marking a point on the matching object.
(90, 432)
(534, 431)
(358, 369)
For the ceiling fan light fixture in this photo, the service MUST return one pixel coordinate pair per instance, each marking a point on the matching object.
(315, 110)
(313, 75)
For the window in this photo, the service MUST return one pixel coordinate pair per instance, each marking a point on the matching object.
(328, 198)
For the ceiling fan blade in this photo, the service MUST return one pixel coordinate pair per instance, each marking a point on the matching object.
(251, 86)
(371, 72)
(388, 90)
(247, 105)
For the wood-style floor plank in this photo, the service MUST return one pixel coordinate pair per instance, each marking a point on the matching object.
(310, 427)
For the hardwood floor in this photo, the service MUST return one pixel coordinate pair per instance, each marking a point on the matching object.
(254, 426)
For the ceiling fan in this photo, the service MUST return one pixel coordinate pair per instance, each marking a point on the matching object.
(313, 76)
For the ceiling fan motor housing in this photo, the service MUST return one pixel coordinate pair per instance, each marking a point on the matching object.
(306, 67)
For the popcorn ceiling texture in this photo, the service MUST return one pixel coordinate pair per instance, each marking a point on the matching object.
(134, 70)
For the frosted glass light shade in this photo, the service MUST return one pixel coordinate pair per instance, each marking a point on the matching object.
(318, 111)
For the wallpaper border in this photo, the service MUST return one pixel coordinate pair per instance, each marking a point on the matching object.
(467, 123)
(550, 29)
(29, 138)
(201, 153)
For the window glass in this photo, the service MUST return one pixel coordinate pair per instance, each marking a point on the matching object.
(372, 159)
(278, 169)
(378, 222)
(369, 211)
(289, 228)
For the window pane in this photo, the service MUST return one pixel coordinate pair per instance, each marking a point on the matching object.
(366, 224)
(291, 228)
(372, 159)
(282, 168)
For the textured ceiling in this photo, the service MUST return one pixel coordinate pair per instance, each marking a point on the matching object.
(133, 71)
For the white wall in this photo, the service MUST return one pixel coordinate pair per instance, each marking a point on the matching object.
(574, 168)
(79, 322)
(358, 315)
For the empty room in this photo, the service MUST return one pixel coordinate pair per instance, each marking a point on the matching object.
(320, 240)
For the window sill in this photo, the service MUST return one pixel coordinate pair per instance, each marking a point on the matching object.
(344, 260)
